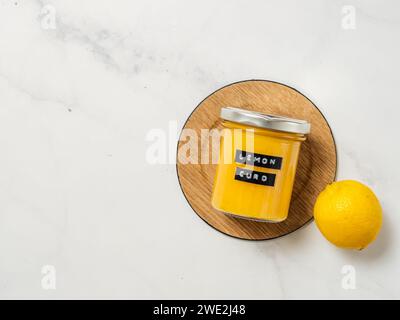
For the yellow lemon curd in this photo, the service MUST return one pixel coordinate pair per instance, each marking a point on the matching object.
(255, 182)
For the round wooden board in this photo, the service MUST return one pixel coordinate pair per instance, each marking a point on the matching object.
(316, 166)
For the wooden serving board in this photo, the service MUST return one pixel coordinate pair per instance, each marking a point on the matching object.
(316, 166)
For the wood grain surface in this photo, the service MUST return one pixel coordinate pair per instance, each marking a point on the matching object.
(316, 166)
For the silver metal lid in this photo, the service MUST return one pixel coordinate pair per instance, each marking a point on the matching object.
(266, 121)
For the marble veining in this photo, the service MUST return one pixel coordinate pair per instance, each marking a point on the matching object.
(83, 82)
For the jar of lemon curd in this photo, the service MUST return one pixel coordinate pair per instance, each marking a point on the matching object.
(257, 164)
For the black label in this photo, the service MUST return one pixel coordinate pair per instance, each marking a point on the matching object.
(257, 177)
(258, 160)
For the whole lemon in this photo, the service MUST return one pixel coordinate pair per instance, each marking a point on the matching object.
(348, 214)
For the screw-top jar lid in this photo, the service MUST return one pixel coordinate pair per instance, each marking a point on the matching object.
(266, 121)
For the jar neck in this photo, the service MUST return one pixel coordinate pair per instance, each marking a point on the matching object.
(266, 132)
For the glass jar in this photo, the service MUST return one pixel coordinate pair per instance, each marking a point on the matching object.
(257, 164)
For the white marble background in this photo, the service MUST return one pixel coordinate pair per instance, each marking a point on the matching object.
(77, 100)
